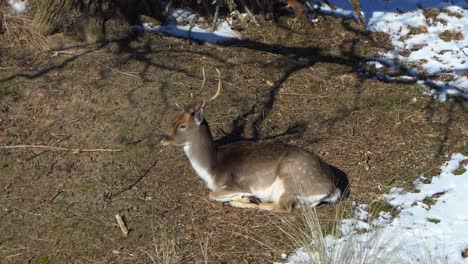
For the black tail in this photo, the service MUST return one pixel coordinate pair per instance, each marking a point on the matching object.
(342, 182)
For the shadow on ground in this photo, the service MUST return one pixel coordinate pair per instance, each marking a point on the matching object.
(304, 88)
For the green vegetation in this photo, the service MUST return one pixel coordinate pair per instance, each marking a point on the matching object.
(429, 201)
(376, 207)
(7, 168)
(4, 92)
(45, 259)
(448, 35)
(433, 220)
(459, 171)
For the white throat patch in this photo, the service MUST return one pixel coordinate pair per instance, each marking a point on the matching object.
(202, 172)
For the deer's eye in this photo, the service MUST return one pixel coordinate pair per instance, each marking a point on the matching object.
(182, 126)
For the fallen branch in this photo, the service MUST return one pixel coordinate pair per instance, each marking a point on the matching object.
(121, 224)
(52, 148)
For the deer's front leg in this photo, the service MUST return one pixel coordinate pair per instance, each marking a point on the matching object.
(230, 194)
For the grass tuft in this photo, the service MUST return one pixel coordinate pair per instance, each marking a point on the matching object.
(18, 31)
(376, 207)
(335, 247)
(43, 260)
(429, 201)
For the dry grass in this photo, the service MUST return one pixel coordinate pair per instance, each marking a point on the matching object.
(164, 249)
(323, 243)
(19, 32)
(372, 130)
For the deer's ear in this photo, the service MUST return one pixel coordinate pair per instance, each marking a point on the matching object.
(198, 116)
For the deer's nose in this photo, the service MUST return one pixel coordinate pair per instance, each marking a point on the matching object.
(165, 140)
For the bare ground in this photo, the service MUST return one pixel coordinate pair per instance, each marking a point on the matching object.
(282, 84)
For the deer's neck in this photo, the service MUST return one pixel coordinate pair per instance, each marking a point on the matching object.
(201, 152)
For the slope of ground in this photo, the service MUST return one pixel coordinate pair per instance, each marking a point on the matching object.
(283, 83)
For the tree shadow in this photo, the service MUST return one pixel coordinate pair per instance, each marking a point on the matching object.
(291, 59)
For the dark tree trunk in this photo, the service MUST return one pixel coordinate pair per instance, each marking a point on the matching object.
(85, 19)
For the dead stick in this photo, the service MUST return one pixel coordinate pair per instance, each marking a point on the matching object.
(121, 72)
(241, 17)
(121, 224)
(249, 13)
(168, 7)
(215, 19)
(52, 148)
(192, 24)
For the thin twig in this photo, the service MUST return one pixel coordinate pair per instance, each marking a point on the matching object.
(121, 72)
(55, 196)
(19, 209)
(464, 52)
(52, 148)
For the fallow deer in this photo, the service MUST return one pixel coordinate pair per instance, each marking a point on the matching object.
(251, 175)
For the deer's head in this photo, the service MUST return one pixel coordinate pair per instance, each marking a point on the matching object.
(187, 125)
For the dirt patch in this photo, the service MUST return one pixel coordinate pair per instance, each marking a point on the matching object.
(283, 83)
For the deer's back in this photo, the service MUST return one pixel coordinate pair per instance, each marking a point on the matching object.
(261, 164)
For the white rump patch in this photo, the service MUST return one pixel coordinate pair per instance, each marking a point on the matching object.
(202, 172)
(314, 200)
(334, 197)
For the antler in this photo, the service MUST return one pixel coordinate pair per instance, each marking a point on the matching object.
(218, 92)
(196, 103)
(202, 85)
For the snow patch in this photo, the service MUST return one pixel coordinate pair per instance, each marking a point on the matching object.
(436, 43)
(175, 27)
(436, 232)
(18, 6)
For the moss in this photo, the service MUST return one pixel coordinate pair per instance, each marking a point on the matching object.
(459, 171)
(431, 13)
(433, 220)
(7, 168)
(418, 47)
(360, 50)
(463, 150)
(429, 201)
(4, 92)
(405, 53)
(448, 35)
(376, 207)
(420, 90)
(417, 30)
(43, 260)
(450, 13)
(388, 102)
